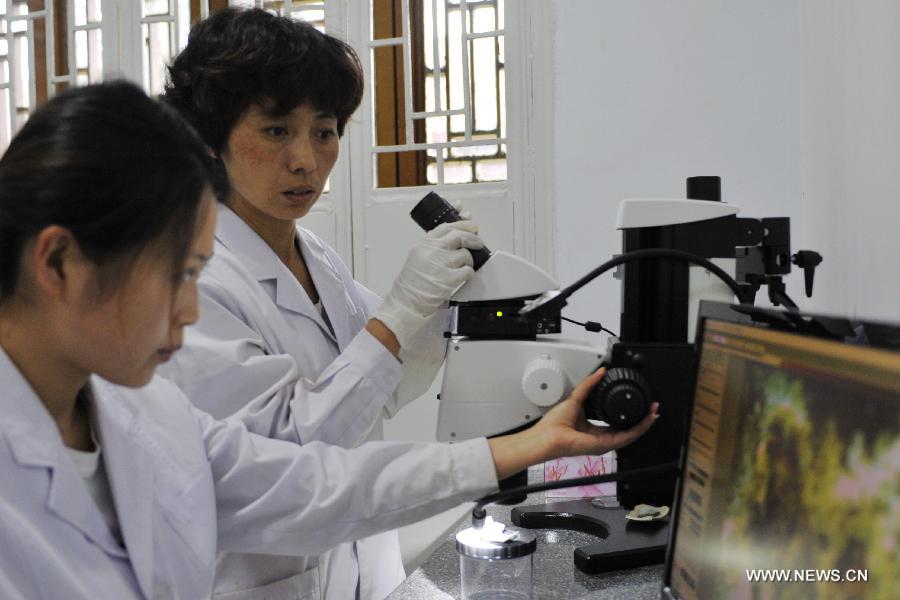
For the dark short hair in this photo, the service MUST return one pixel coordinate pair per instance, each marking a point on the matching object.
(117, 169)
(237, 57)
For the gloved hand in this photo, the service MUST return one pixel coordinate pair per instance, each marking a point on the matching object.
(464, 215)
(422, 360)
(434, 269)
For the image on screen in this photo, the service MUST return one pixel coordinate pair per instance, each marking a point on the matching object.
(793, 466)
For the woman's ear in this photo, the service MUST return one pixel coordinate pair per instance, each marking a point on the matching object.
(59, 269)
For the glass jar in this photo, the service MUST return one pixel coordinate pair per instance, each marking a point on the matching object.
(492, 570)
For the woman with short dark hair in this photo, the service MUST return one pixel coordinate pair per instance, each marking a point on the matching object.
(238, 57)
(287, 340)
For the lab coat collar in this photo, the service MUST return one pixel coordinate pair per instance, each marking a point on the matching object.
(35, 441)
(129, 468)
(331, 287)
(236, 235)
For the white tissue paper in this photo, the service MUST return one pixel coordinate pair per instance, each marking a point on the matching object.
(494, 531)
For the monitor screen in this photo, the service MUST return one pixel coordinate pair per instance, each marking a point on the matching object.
(791, 484)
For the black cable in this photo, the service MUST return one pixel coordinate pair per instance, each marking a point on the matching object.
(559, 300)
(479, 514)
(592, 326)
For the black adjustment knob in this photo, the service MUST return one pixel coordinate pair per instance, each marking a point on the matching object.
(621, 399)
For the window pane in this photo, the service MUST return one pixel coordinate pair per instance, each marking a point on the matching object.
(386, 16)
(22, 73)
(457, 172)
(490, 170)
(454, 172)
(502, 76)
(5, 133)
(81, 50)
(154, 8)
(390, 99)
(484, 66)
(157, 54)
(483, 19)
(436, 129)
(399, 169)
(474, 151)
(80, 12)
(455, 65)
(95, 55)
(94, 11)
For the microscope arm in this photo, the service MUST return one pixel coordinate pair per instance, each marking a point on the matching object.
(494, 386)
(557, 299)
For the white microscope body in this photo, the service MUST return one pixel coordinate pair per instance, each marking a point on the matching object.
(496, 384)
(491, 386)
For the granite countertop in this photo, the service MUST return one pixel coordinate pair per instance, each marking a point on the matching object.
(555, 575)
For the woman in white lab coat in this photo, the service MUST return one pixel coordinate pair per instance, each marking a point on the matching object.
(114, 485)
(287, 341)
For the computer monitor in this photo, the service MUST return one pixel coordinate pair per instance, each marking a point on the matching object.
(790, 486)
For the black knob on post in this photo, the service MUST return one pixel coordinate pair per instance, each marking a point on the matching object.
(807, 260)
(432, 210)
(621, 399)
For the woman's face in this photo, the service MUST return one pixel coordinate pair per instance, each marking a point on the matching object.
(140, 325)
(278, 165)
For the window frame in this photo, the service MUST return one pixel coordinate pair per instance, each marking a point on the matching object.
(529, 30)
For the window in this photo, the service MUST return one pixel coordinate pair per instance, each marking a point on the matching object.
(45, 46)
(445, 121)
(49, 45)
(165, 25)
(449, 128)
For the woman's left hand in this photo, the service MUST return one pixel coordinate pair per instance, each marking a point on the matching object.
(563, 431)
(568, 433)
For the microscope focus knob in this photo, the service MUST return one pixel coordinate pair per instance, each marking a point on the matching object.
(544, 382)
(621, 399)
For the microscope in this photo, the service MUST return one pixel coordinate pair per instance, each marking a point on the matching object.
(505, 367)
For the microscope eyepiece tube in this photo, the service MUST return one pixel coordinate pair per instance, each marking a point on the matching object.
(432, 210)
(704, 187)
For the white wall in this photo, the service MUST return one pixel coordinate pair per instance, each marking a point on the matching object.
(792, 103)
(652, 92)
(850, 110)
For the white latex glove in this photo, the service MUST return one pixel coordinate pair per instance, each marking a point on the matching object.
(434, 269)
(458, 205)
(422, 361)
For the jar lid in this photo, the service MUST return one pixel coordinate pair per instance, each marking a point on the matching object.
(471, 543)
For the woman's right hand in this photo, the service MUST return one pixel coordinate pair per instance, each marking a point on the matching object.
(436, 266)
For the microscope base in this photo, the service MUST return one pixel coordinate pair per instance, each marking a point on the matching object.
(625, 544)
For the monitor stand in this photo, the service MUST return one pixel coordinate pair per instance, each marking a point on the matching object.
(625, 544)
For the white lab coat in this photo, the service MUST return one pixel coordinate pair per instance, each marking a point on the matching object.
(262, 352)
(186, 486)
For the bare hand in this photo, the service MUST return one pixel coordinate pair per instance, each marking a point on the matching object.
(568, 432)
